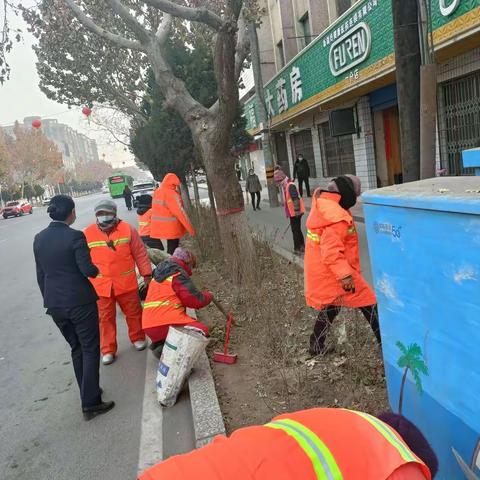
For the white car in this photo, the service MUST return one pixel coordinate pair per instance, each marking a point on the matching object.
(145, 188)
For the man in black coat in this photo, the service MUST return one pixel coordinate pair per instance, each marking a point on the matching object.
(63, 266)
(301, 170)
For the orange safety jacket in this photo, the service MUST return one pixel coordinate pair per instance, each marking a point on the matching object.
(144, 223)
(169, 220)
(316, 444)
(331, 254)
(289, 202)
(113, 257)
(162, 305)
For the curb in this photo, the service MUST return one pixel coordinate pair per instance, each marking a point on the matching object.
(206, 413)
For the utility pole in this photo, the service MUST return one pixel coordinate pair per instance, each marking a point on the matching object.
(428, 93)
(262, 114)
(407, 62)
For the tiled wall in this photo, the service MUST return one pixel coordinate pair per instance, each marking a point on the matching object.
(364, 148)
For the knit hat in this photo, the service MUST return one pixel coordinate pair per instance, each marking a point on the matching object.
(279, 175)
(413, 437)
(347, 186)
(60, 207)
(106, 206)
(185, 256)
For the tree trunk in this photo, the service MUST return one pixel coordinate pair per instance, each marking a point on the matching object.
(262, 114)
(211, 196)
(402, 388)
(407, 60)
(184, 193)
(196, 194)
(235, 232)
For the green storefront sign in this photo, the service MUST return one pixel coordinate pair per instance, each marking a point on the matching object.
(359, 39)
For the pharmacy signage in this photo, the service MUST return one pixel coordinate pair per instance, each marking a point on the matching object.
(351, 52)
(351, 49)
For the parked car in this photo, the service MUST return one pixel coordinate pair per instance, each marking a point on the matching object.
(46, 201)
(145, 188)
(17, 208)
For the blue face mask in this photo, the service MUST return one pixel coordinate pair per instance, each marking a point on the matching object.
(105, 220)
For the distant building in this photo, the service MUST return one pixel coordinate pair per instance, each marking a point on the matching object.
(75, 147)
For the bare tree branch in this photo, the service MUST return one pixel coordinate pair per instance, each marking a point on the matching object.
(93, 27)
(140, 32)
(200, 15)
(164, 29)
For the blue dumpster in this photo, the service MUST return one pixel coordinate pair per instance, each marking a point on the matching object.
(424, 243)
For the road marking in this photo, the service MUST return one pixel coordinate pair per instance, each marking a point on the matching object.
(151, 447)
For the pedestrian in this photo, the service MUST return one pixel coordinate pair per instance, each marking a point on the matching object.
(63, 266)
(332, 263)
(321, 443)
(294, 208)
(116, 248)
(170, 293)
(254, 187)
(238, 171)
(301, 170)
(128, 196)
(144, 212)
(169, 219)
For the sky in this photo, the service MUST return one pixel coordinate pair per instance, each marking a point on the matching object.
(21, 97)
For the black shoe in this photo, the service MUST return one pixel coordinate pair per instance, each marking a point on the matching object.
(254, 208)
(91, 412)
(157, 348)
(258, 208)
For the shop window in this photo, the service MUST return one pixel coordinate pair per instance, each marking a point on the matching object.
(280, 55)
(338, 157)
(305, 31)
(343, 6)
(459, 121)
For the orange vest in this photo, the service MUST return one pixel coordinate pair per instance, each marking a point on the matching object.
(317, 444)
(144, 223)
(289, 202)
(162, 306)
(165, 224)
(332, 253)
(117, 267)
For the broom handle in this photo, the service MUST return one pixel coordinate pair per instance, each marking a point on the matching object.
(227, 337)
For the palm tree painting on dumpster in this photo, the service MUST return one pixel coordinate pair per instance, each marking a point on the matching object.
(411, 360)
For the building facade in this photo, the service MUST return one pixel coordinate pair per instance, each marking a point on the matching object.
(334, 73)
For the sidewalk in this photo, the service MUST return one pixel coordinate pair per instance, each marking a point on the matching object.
(357, 210)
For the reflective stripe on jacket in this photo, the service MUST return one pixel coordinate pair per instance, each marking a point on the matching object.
(290, 202)
(316, 444)
(113, 257)
(169, 220)
(162, 305)
(144, 223)
(331, 254)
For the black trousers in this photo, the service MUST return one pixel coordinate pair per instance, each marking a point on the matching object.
(257, 194)
(172, 245)
(298, 240)
(79, 326)
(302, 181)
(153, 243)
(326, 318)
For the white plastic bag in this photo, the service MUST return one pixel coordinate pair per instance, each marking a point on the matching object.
(181, 351)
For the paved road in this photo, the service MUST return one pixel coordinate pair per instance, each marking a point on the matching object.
(43, 433)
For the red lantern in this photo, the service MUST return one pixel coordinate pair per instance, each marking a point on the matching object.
(86, 111)
(36, 123)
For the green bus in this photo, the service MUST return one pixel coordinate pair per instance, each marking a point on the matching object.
(117, 182)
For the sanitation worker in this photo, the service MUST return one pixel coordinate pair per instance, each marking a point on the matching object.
(332, 263)
(294, 208)
(116, 248)
(317, 444)
(169, 219)
(170, 293)
(144, 212)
